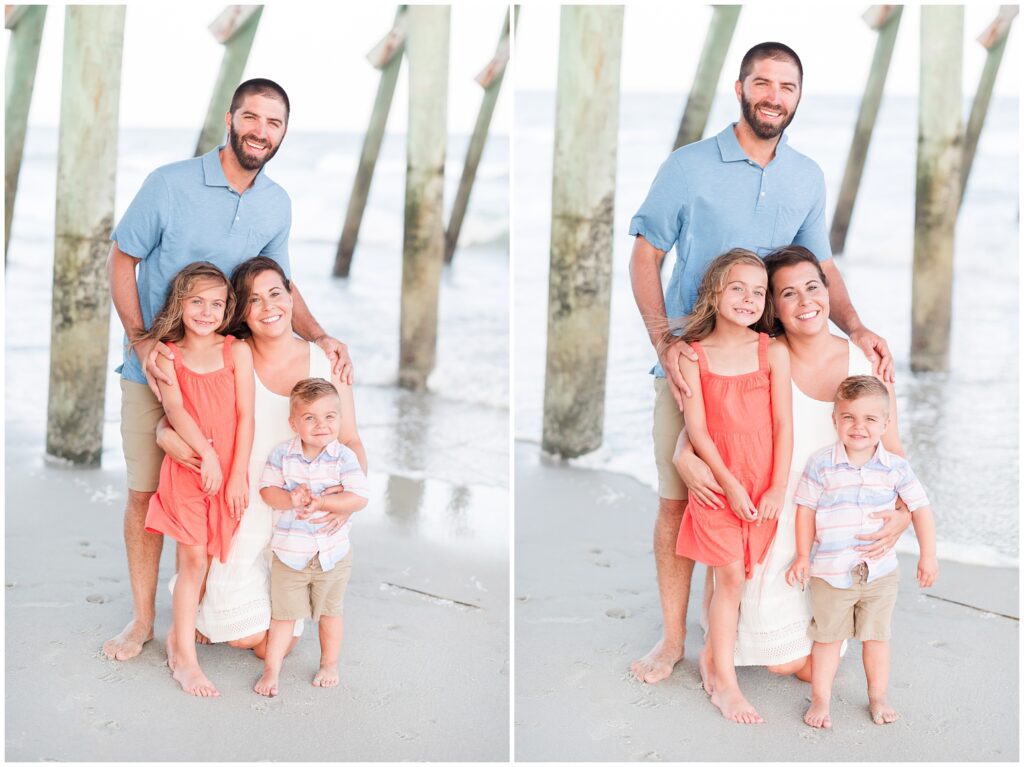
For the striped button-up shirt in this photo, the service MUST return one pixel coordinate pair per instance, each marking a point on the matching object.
(297, 541)
(843, 497)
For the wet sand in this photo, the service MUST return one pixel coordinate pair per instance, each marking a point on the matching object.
(586, 605)
(418, 616)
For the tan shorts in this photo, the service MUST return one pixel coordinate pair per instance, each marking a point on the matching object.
(140, 413)
(668, 422)
(863, 611)
(309, 592)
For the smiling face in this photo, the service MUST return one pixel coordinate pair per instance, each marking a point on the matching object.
(269, 310)
(860, 423)
(801, 299)
(256, 129)
(742, 298)
(202, 310)
(769, 97)
(318, 422)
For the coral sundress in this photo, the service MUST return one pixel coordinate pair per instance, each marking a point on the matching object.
(180, 508)
(738, 412)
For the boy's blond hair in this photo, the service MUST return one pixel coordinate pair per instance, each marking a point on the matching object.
(856, 387)
(309, 390)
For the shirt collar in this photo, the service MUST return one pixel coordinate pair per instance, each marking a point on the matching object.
(295, 448)
(730, 149)
(881, 455)
(213, 171)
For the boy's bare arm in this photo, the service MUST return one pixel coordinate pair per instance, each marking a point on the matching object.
(277, 498)
(924, 529)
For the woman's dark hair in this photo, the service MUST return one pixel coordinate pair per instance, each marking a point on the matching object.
(790, 255)
(241, 281)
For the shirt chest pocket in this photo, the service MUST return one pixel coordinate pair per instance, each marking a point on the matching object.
(248, 240)
(787, 223)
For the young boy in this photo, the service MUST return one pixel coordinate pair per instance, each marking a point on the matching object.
(311, 558)
(851, 596)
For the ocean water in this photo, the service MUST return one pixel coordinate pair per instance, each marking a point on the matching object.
(960, 428)
(439, 459)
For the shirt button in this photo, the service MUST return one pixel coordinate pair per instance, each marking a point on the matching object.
(236, 217)
(762, 194)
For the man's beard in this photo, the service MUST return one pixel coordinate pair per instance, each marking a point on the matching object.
(762, 129)
(246, 160)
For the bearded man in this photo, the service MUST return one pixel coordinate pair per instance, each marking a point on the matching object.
(744, 188)
(220, 207)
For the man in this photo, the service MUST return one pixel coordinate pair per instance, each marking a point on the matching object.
(744, 188)
(222, 208)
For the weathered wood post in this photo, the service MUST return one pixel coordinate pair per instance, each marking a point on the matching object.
(490, 79)
(939, 158)
(886, 20)
(709, 69)
(582, 213)
(994, 40)
(26, 25)
(86, 172)
(387, 57)
(235, 29)
(423, 247)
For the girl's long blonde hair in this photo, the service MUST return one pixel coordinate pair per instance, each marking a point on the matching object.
(699, 323)
(168, 324)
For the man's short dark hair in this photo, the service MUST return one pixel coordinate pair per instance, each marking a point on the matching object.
(776, 51)
(260, 87)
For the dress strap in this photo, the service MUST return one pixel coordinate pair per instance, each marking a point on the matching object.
(229, 362)
(702, 360)
(762, 352)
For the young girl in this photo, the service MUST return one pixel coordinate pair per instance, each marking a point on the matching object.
(211, 407)
(739, 422)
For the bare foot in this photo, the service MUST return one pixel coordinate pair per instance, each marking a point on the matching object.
(267, 684)
(881, 711)
(129, 642)
(326, 676)
(734, 706)
(818, 714)
(201, 638)
(706, 664)
(658, 663)
(194, 681)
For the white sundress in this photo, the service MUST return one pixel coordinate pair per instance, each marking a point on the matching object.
(237, 599)
(773, 615)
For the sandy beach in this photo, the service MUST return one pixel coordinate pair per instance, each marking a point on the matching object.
(586, 605)
(418, 615)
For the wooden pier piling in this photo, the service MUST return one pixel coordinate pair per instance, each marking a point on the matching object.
(387, 57)
(582, 217)
(491, 79)
(423, 246)
(994, 39)
(26, 25)
(709, 70)
(939, 158)
(235, 28)
(86, 173)
(885, 19)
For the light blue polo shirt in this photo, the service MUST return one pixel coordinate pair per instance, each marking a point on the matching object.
(709, 197)
(187, 212)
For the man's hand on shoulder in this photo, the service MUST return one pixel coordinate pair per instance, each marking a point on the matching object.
(147, 352)
(337, 353)
(669, 355)
(877, 351)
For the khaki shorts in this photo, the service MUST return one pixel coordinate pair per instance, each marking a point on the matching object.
(863, 611)
(309, 592)
(140, 413)
(668, 422)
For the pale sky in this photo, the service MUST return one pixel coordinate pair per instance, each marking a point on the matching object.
(662, 43)
(315, 50)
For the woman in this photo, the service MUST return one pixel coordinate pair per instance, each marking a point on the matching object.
(773, 616)
(236, 604)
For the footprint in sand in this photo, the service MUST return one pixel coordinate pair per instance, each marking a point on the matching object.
(88, 554)
(602, 563)
(650, 756)
(595, 551)
(97, 599)
(618, 612)
(406, 735)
